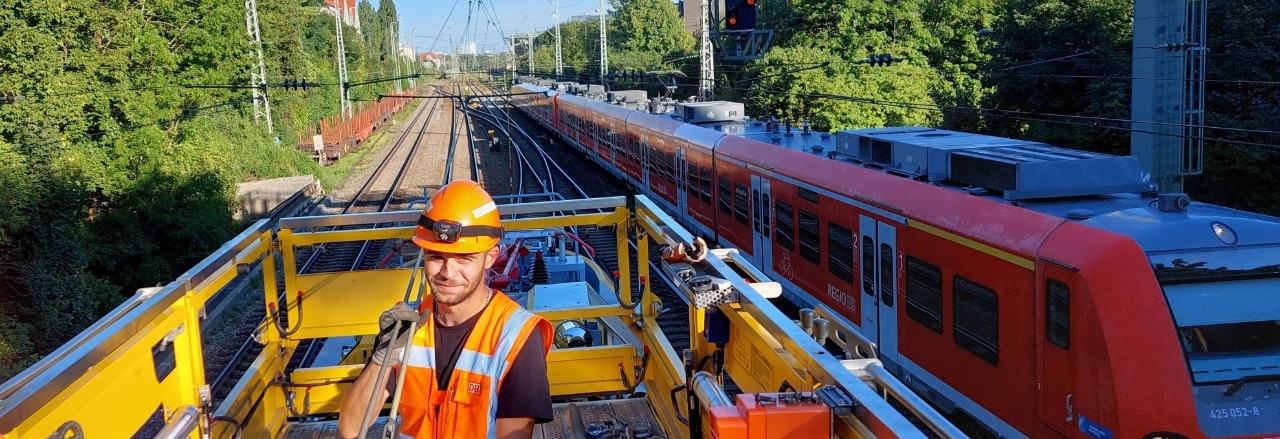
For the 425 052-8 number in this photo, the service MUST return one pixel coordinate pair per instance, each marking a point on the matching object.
(1235, 412)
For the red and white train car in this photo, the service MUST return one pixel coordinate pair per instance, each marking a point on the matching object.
(1026, 290)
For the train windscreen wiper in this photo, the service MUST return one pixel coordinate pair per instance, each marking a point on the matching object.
(1239, 384)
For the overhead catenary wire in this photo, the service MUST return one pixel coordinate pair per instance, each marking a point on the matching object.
(1083, 121)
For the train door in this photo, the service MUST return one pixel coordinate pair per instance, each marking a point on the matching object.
(761, 227)
(1056, 364)
(878, 248)
(682, 185)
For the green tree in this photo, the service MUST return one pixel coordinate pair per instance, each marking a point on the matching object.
(579, 48)
(374, 31)
(933, 67)
(1061, 57)
(1244, 63)
(648, 26)
(800, 84)
(114, 174)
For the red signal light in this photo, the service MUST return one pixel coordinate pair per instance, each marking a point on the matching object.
(733, 21)
(751, 2)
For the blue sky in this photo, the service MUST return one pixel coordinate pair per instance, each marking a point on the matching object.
(423, 20)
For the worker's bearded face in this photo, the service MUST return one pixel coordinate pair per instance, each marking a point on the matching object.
(454, 278)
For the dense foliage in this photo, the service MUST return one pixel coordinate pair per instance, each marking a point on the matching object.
(642, 35)
(114, 174)
(1056, 71)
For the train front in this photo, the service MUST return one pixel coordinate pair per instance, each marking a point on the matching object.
(1219, 270)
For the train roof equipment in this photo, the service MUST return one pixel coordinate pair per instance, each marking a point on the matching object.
(1018, 169)
(139, 370)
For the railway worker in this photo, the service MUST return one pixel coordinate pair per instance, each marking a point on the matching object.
(477, 365)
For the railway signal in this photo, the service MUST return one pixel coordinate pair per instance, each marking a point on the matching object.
(882, 59)
(740, 15)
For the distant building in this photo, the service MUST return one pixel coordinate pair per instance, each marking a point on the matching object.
(431, 59)
(691, 13)
(468, 48)
(346, 9)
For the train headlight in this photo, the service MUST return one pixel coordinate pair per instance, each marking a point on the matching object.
(1224, 233)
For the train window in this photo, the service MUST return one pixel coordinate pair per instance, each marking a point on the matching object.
(1057, 322)
(785, 224)
(807, 195)
(809, 238)
(668, 170)
(725, 196)
(868, 266)
(655, 163)
(840, 251)
(691, 186)
(924, 293)
(886, 274)
(740, 203)
(704, 181)
(976, 315)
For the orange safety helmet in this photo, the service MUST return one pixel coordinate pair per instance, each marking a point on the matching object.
(461, 218)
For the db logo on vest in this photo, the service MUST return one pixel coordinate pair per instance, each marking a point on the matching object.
(473, 388)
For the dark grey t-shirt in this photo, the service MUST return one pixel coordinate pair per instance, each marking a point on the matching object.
(525, 392)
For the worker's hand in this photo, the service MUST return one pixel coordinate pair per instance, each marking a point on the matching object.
(393, 332)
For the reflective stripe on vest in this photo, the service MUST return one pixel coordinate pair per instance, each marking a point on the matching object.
(476, 362)
(421, 392)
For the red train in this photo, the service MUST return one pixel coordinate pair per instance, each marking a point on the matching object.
(1026, 290)
(339, 137)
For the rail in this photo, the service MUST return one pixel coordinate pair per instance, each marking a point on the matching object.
(550, 163)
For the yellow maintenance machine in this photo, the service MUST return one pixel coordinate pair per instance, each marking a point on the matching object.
(139, 372)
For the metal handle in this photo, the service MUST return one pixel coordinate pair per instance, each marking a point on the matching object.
(72, 427)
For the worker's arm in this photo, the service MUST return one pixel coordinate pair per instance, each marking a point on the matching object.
(389, 346)
(356, 400)
(515, 428)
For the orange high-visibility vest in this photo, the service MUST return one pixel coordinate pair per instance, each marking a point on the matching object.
(468, 408)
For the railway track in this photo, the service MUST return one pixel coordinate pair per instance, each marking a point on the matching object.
(548, 160)
(544, 173)
(379, 192)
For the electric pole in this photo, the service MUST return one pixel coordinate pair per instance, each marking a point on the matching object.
(345, 101)
(556, 16)
(532, 71)
(413, 35)
(453, 53)
(258, 76)
(1167, 99)
(604, 47)
(706, 86)
(395, 51)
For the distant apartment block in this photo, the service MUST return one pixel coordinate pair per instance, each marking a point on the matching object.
(691, 13)
(345, 9)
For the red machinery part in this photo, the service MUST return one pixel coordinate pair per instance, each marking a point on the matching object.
(771, 416)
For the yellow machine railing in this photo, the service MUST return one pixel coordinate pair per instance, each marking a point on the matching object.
(145, 357)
